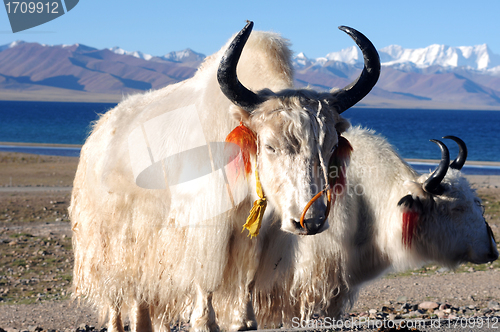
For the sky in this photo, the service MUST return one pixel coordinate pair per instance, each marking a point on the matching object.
(158, 27)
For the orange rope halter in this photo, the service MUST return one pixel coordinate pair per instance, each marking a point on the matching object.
(318, 195)
(337, 164)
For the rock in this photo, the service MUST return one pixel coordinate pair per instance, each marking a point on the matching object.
(444, 306)
(487, 311)
(387, 310)
(402, 299)
(372, 311)
(405, 307)
(494, 305)
(428, 305)
(414, 314)
(440, 314)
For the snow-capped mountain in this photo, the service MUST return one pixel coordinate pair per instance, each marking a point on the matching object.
(435, 76)
(136, 54)
(477, 57)
(13, 44)
(187, 55)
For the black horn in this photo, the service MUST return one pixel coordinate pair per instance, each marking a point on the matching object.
(357, 90)
(226, 74)
(459, 162)
(433, 184)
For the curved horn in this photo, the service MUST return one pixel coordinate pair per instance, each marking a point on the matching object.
(433, 183)
(357, 90)
(226, 74)
(459, 162)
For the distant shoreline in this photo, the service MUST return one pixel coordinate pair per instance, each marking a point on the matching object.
(57, 95)
(48, 145)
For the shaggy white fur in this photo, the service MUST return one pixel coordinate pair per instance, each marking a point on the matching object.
(365, 237)
(137, 248)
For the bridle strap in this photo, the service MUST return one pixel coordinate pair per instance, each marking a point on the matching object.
(328, 191)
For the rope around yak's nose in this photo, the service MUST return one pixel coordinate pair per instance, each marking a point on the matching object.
(318, 195)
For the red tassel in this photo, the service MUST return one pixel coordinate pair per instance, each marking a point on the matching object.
(410, 220)
(411, 208)
(337, 167)
(246, 140)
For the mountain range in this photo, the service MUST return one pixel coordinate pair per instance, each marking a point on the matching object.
(437, 76)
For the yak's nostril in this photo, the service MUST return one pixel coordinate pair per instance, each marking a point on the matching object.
(313, 226)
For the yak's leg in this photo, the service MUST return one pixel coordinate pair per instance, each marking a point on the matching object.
(203, 316)
(139, 318)
(243, 315)
(160, 326)
(158, 319)
(115, 323)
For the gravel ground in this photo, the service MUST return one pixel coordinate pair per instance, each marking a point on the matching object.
(36, 262)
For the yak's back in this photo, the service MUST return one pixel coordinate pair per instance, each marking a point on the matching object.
(265, 63)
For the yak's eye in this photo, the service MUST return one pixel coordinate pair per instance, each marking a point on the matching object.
(270, 149)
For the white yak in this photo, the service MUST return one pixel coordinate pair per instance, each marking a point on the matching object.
(158, 205)
(388, 218)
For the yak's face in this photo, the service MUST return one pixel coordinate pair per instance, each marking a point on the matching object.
(452, 227)
(295, 140)
(296, 132)
(444, 216)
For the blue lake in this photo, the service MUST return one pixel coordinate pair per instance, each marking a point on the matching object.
(408, 130)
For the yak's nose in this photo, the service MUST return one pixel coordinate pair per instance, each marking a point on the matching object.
(316, 225)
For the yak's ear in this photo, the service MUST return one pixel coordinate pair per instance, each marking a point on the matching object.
(342, 124)
(415, 189)
(239, 114)
(412, 210)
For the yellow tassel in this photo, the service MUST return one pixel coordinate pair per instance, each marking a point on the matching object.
(254, 220)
